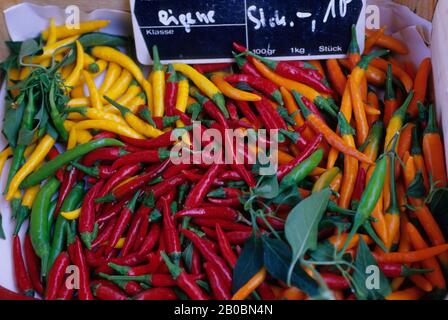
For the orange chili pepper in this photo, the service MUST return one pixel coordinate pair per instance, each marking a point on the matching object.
(229, 91)
(373, 39)
(337, 78)
(374, 75)
(413, 293)
(436, 276)
(420, 85)
(396, 71)
(389, 42)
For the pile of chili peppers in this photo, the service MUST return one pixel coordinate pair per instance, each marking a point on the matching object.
(137, 226)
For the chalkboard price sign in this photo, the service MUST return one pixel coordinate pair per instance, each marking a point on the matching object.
(202, 31)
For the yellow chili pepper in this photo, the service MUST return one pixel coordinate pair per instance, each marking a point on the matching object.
(251, 285)
(88, 61)
(204, 85)
(52, 38)
(112, 74)
(113, 55)
(68, 125)
(136, 102)
(79, 102)
(84, 27)
(396, 122)
(71, 215)
(229, 91)
(5, 154)
(135, 122)
(158, 84)
(119, 87)
(96, 114)
(77, 92)
(133, 90)
(66, 71)
(73, 78)
(30, 195)
(83, 136)
(325, 179)
(110, 126)
(72, 138)
(39, 154)
(183, 92)
(119, 243)
(57, 46)
(95, 98)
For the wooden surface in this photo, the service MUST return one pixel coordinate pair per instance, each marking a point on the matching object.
(424, 8)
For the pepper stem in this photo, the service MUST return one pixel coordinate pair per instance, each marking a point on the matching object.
(344, 126)
(298, 97)
(390, 92)
(156, 59)
(365, 60)
(121, 108)
(174, 269)
(401, 112)
(432, 123)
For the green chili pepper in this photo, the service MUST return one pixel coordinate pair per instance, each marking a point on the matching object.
(325, 179)
(56, 117)
(39, 231)
(70, 203)
(302, 170)
(48, 169)
(25, 136)
(369, 198)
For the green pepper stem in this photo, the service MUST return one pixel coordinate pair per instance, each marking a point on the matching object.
(354, 46)
(298, 97)
(432, 122)
(365, 60)
(121, 108)
(173, 268)
(156, 59)
(390, 92)
(401, 112)
(344, 127)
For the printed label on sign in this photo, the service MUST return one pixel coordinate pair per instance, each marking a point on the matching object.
(202, 31)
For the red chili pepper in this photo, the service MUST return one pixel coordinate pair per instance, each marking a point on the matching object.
(122, 223)
(172, 240)
(196, 264)
(258, 83)
(53, 153)
(162, 141)
(22, 277)
(171, 88)
(148, 268)
(265, 292)
(56, 275)
(195, 176)
(230, 175)
(165, 186)
(395, 270)
(229, 202)
(6, 294)
(95, 259)
(103, 154)
(77, 257)
(233, 111)
(225, 224)
(65, 292)
(200, 190)
(276, 223)
(183, 281)
(151, 239)
(360, 185)
(212, 110)
(156, 294)
(142, 230)
(86, 225)
(107, 291)
(211, 67)
(132, 233)
(312, 146)
(209, 213)
(209, 254)
(33, 265)
(234, 237)
(103, 135)
(122, 174)
(164, 122)
(246, 67)
(147, 156)
(135, 184)
(224, 247)
(112, 209)
(220, 290)
(132, 259)
(335, 282)
(246, 110)
(175, 170)
(131, 288)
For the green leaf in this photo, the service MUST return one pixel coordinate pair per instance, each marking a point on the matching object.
(94, 39)
(12, 121)
(438, 205)
(339, 222)
(277, 256)
(301, 228)
(267, 187)
(289, 196)
(28, 48)
(368, 280)
(2, 232)
(187, 255)
(417, 187)
(25, 136)
(244, 86)
(249, 262)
